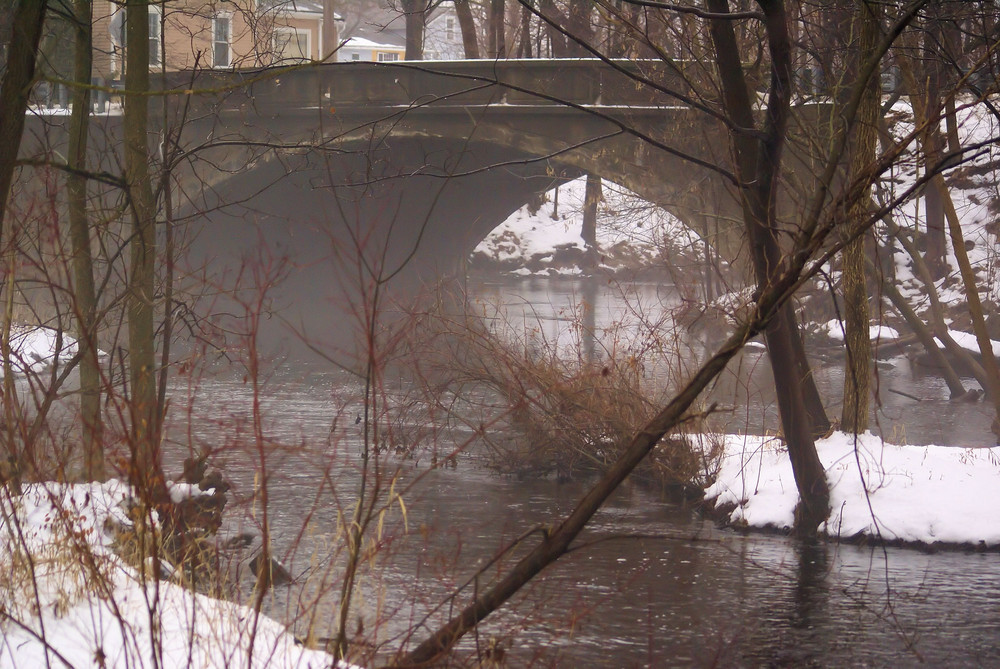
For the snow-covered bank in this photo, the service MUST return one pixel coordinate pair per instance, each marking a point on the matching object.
(911, 494)
(632, 236)
(67, 599)
(32, 348)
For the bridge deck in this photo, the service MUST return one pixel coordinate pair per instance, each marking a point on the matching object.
(535, 83)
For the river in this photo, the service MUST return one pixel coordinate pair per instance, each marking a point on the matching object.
(652, 584)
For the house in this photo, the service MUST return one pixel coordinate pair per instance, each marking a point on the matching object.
(373, 46)
(375, 37)
(442, 35)
(381, 36)
(184, 34)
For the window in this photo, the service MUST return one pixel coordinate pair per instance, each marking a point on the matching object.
(221, 49)
(387, 57)
(355, 56)
(290, 45)
(154, 36)
(449, 28)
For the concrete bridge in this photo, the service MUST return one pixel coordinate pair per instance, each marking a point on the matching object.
(341, 176)
(513, 125)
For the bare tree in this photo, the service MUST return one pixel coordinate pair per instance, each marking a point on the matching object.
(467, 24)
(146, 472)
(29, 16)
(757, 152)
(863, 30)
(757, 168)
(85, 299)
(415, 14)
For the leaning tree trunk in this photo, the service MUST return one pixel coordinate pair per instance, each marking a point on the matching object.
(555, 541)
(975, 304)
(758, 160)
(84, 294)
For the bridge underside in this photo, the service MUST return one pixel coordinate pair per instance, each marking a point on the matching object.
(320, 232)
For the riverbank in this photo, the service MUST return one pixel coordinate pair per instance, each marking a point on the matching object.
(918, 496)
(68, 598)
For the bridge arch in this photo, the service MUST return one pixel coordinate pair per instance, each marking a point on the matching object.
(402, 169)
(529, 118)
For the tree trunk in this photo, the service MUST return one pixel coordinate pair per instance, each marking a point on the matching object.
(975, 304)
(496, 40)
(857, 374)
(414, 15)
(84, 293)
(146, 474)
(524, 49)
(558, 46)
(14, 92)
(757, 166)
(934, 246)
(924, 84)
(591, 200)
(467, 24)
(331, 38)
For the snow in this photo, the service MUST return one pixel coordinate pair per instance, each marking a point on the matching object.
(110, 109)
(34, 349)
(631, 234)
(968, 341)
(102, 608)
(907, 493)
(834, 329)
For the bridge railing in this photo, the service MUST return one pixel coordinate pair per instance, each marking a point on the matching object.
(440, 83)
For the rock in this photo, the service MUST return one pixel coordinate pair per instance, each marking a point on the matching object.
(270, 573)
(194, 468)
(214, 480)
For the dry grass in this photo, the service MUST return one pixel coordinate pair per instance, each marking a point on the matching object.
(561, 409)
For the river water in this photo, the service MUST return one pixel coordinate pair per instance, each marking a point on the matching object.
(652, 584)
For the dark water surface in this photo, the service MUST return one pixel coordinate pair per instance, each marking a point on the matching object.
(651, 584)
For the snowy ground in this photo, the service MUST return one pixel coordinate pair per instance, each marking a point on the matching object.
(924, 494)
(100, 611)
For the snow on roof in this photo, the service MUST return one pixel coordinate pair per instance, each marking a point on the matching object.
(362, 43)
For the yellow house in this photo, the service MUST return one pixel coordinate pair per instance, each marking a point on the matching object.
(223, 34)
